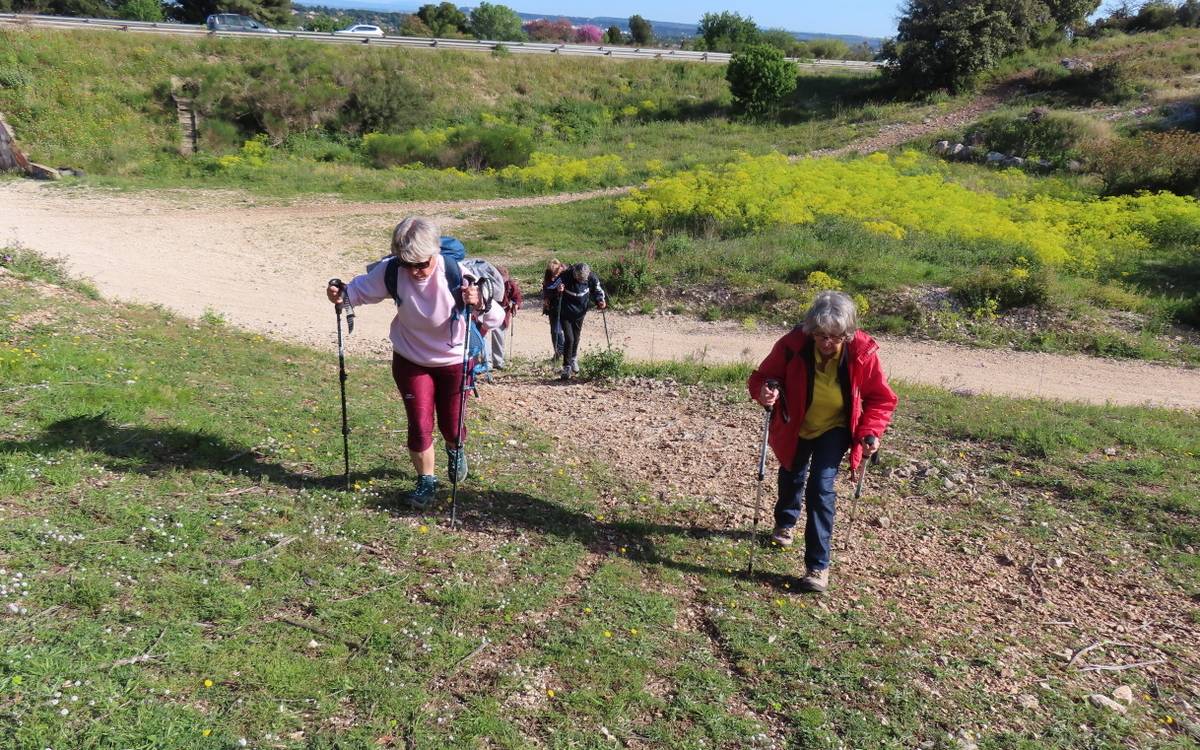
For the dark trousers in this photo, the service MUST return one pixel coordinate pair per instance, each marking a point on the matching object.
(556, 341)
(571, 328)
(811, 479)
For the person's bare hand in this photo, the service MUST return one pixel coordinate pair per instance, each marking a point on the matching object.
(334, 293)
(470, 293)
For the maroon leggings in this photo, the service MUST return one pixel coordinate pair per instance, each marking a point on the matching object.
(425, 389)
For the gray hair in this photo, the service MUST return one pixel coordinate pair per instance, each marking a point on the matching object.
(581, 271)
(833, 313)
(416, 240)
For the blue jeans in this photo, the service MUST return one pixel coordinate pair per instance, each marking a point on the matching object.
(817, 461)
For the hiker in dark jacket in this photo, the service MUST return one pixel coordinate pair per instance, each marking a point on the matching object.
(830, 395)
(575, 288)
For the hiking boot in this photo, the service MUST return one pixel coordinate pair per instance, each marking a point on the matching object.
(566, 373)
(815, 580)
(423, 494)
(456, 464)
(784, 536)
(575, 365)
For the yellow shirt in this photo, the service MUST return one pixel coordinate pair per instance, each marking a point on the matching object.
(828, 408)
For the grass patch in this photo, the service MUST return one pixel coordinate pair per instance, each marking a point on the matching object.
(162, 508)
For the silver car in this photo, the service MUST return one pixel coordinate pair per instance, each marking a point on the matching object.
(360, 29)
(234, 22)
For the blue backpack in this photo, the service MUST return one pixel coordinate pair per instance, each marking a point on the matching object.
(453, 256)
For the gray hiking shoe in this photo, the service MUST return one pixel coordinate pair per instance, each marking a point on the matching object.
(815, 580)
(784, 536)
(456, 464)
(575, 365)
(423, 494)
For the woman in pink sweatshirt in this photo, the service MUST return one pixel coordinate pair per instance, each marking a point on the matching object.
(427, 345)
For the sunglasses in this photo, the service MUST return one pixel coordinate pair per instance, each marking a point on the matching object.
(417, 266)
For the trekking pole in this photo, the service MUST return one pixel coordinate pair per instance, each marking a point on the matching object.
(468, 384)
(762, 473)
(337, 308)
(604, 317)
(870, 440)
(560, 339)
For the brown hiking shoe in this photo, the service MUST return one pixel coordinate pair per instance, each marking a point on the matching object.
(783, 536)
(815, 580)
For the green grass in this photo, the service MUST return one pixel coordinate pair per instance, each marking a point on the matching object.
(159, 505)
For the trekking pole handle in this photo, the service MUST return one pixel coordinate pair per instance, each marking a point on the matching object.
(873, 441)
(341, 287)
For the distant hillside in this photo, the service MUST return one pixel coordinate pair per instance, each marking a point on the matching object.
(665, 30)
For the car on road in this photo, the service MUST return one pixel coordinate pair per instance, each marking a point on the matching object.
(235, 22)
(360, 29)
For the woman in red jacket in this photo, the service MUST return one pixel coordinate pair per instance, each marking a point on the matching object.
(830, 394)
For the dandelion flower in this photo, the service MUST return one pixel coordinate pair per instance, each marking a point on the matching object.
(550, 693)
(208, 683)
(608, 634)
(423, 529)
(633, 631)
(205, 732)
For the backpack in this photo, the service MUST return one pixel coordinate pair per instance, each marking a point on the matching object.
(457, 266)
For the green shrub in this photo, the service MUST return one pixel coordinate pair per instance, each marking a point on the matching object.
(1110, 82)
(13, 78)
(474, 146)
(759, 79)
(628, 276)
(1152, 161)
(577, 121)
(1003, 289)
(602, 364)
(1054, 136)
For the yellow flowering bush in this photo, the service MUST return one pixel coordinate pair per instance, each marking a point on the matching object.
(819, 281)
(896, 196)
(547, 171)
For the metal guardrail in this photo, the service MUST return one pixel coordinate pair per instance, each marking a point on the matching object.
(480, 45)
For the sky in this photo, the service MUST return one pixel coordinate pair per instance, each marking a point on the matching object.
(863, 17)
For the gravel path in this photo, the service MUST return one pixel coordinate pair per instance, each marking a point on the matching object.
(264, 268)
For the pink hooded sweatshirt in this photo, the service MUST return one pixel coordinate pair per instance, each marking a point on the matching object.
(422, 331)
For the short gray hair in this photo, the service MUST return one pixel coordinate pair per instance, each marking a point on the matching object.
(833, 313)
(416, 240)
(581, 271)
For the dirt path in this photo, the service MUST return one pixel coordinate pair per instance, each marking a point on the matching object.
(903, 132)
(264, 268)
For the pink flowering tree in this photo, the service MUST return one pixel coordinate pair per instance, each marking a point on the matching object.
(589, 34)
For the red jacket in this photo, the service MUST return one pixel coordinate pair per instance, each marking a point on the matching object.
(512, 301)
(870, 400)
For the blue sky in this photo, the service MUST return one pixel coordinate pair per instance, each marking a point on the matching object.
(863, 17)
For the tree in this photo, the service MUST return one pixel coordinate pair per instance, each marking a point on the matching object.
(828, 49)
(413, 26)
(640, 31)
(1071, 14)
(497, 22)
(1189, 13)
(588, 34)
(727, 32)
(760, 79)
(784, 41)
(443, 20)
(270, 12)
(141, 10)
(322, 22)
(613, 35)
(947, 44)
(541, 30)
